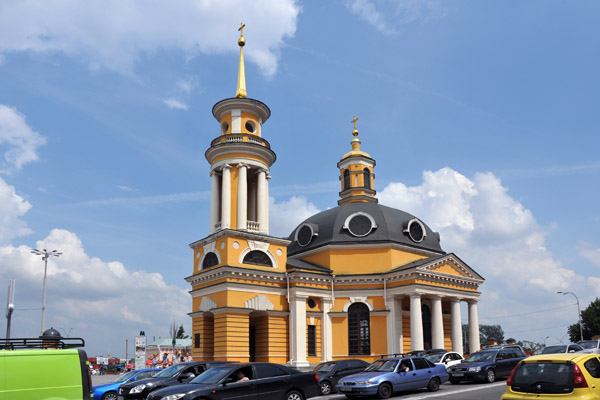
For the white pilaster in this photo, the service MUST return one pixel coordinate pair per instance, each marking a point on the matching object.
(326, 340)
(457, 342)
(416, 323)
(394, 326)
(214, 201)
(236, 121)
(242, 209)
(474, 344)
(437, 323)
(252, 201)
(261, 199)
(226, 197)
(266, 218)
(298, 331)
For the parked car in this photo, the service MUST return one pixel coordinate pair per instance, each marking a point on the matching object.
(176, 374)
(555, 376)
(329, 373)
(590, 346)
(265, 381)
(560, 348)
(446, 359)
(422, 353)
(386, 376)
(108, 391)
(486, 365)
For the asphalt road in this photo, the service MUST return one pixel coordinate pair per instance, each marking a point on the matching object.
(448, 391)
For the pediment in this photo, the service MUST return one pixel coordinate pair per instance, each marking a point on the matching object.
(450, 264)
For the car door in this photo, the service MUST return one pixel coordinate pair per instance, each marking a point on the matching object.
(423, 372)
(341, 370)
(405, 380)
(504, 363)
(231, 389)
(272, 381)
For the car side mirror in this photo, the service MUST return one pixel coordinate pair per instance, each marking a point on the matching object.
(188, 375)
(228, 380)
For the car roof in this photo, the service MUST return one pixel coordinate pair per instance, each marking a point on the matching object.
(573, 357)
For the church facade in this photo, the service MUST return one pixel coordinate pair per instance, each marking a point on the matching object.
(359, 280)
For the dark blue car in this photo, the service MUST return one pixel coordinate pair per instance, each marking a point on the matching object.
(389, 375)
(108, 391)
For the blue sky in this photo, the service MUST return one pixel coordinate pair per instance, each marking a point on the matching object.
(481, 115)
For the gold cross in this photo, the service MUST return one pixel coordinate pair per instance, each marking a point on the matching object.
(242, 25)
(354, 121)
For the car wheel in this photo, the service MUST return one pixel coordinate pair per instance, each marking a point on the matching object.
(294, 395)
(325, 388)
(433, 385)
(454, 381)
(109, 396)
(384, 391)
(490, 376)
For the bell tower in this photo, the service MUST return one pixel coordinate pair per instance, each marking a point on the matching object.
(356, 173)
(239, 161)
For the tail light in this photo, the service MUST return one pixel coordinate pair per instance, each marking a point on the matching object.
(317, 377)
(579, 380)
(510, 378)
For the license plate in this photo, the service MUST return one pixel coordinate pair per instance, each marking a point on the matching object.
(120, 398)
(452, 375)
(345, 389)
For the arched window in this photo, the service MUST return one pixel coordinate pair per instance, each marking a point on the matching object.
(257, 257)
(346, 180)
(359, 330)
(367, 178)
(210, 260)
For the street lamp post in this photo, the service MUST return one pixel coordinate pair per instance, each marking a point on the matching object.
(578, 312)
(45, 254)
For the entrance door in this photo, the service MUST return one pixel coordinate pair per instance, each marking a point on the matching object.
(426, 316)
(252, 343)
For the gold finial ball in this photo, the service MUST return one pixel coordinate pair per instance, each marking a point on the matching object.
(355, 132)
(241, 42)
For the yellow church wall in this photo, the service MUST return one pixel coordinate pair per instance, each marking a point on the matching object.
(378, 334)
(339, 330)
(448, 269)
(204, 327)
(231, 339)
(406, 337)
(447, 333)
(278, 339)
(226, 118)
(246, 116)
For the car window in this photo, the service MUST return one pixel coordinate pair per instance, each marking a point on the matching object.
(267, 371)
(543, 377)
(355, 364)
(481, 356)
(593, 367)
(343, 365)
(589, 344)
(325, 367)
(385, 365)
(144, 375)
(420, 363)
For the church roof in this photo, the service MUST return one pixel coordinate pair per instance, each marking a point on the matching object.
(357, 223)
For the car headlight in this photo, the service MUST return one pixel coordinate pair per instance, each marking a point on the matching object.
(173, 396)
(364, 383)
(474, 369)
(138, 389)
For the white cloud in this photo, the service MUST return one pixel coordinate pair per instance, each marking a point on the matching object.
(125, 188)
(19, 140)
(176, 104)
(115, 34)
(12, 207)
(592, 255)
(285, 216)
(367, 11)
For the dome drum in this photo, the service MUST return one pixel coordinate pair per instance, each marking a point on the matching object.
(253, 106)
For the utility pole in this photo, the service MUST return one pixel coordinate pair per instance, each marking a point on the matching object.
(10, 306)
(45, 255)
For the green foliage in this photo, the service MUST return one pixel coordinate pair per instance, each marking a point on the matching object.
(491, 333)
(181, 333)
(590, 321)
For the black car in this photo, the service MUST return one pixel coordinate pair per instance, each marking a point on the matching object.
(177, 374)
(246, 381)
(330, 372)
(486, 365)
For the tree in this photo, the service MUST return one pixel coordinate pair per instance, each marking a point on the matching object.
(590, 323)
(490, 333)
(181, 333)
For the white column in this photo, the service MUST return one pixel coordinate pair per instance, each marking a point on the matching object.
(394, 326)
(214, 201)
(326, 340)
(226, 197)
(298, 331)
(437, 323)
(457, 342)
(242, 209)
(474, 344)
(416, 323)
(261, 192)
(252, 201)
(266, 217)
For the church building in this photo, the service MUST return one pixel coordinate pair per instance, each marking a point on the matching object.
(359, 280)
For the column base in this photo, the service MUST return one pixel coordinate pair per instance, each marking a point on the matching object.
(296, 364)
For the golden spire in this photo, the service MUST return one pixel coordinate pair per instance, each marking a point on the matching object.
(241, 84)
(355, 131)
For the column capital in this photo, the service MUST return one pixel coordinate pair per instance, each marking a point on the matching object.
(225, 166)
(214, 172)
(242, 165)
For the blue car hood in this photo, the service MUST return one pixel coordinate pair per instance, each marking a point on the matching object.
(361, 376)
(107, 386)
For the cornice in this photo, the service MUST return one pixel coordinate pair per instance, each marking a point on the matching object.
(241, 235)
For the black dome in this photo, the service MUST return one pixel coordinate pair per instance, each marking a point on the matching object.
(363, 222)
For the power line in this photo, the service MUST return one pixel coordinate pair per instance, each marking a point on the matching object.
(539, 329)
(529, 313)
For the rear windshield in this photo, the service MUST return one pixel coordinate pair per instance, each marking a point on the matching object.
(543, 377)
(554, 349)
(588, 344)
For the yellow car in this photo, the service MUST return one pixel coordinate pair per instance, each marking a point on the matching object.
(555, 377)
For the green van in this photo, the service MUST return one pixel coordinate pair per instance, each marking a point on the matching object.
(36, 369)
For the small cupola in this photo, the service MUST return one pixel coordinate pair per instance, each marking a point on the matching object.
(356, 173)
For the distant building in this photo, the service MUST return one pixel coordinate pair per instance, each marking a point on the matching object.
(358, 280)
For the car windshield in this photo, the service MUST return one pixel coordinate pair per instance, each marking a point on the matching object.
(543, 377)
(325, 367)
(382, 366)
(588, 344)
(435, 357)
(124, 377)
(553, 349)
(171, 371)
(212, 375)
(481, 356)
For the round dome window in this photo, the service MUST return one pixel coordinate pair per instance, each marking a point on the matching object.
(360, 224)
(304, 235)
(415, 230)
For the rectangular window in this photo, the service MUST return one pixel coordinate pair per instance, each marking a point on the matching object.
(312, 340)
(197, 340)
